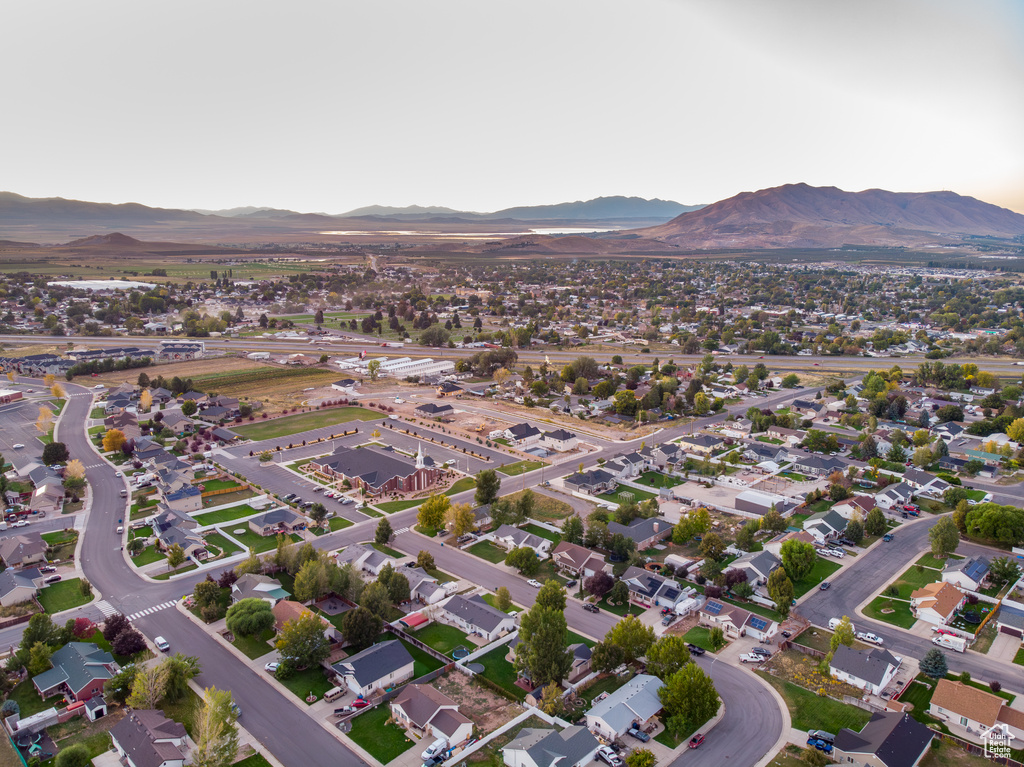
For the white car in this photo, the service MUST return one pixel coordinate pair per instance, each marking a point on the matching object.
(272, 667)
(609, 757)
(868, 637)
(533, 583)
(17, 446)
(118, 474)
(394, 417)
(20, 523)
(752, 658)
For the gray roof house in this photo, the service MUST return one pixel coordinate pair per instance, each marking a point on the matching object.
(364, 558)
(147, 738)
(509, 537)
(277, 520)
(79, 670)
(18, 586)
(890, 738)
(871, 670)
(825, 525)
(652, 589)
(757, 565)
(386, 664)
(474, 614)
(422, 585)
(572, 747)
(252, 585)
(636, 701)
(645, 532)
(593, 482)
(968, 574)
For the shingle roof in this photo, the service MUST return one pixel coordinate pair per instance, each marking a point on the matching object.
(871, 666)
(636, 700)
(941, 597)
(548, 748)
(77, 664)
(476, 612)
(975, 568)
(374, 662)
(640, 529)
(897, 739)
(420, 702)
(132, 734)
(374, 466)
(964, 700)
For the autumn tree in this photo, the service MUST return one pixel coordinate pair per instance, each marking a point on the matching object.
(214, 731)
(145, 401)
(148, 686)
(459, 519)
(45, 420)
(432, 511)
(175, 556)
(113, 440)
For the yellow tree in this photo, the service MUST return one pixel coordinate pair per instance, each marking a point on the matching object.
(501, 375)
(58, 391)
(459, 519)
(375, 434)
(48, 380)
(11, 376)
(75, 469)
(45, 420)
(113, 440)
(145, 400)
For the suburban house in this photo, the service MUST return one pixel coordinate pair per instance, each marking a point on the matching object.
(364, 558)
(735, 621)
(522, 435)
(178, 422)
(737, 429)
(447, 389)
(761, 451)
(574, 746)
(789, 436)
(23, 550)
(579, 561)
(705, 444)
(509, 537)
(379, 469)
(254, 586)
(433, 410)
(871, 670)
(895, 496)
(422, 585)
(581, 657)
(79, 671)
(668, 454)
(48, 498)
(559, 440)
(627, 466)
(288, 610)
(825, 525)
(889, 739)
(968, 574)
(593, 482)
(636, 702)
(644, 532)
(757, 565)
(760, 503)
(475, 615)
(431, 713)
(386, 664)
(775, 544)
(925, 483)
(147, 738)
(17, 586)
(937, 602)
(1010, 620)
(817, 465)
(978, 710)
(855, 506)
(191, 543)
(648, 588)
(277, 521)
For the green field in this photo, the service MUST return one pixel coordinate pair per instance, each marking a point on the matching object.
(222, 543)
(148, 556)
(255, 646)
(821, 571)
(811, 712)
(657, 480)
(384, 741)
(63, 595)
(461, 486)
(442, 638)
(487, 550)
(225, 515)
(312, 680)
(251, 540)
(543, 533)
(700, 636)
(520, 467)
(902, 616)
(911, 580)
(294, 424)
(501, 672)
(617, 496)
(390, 507)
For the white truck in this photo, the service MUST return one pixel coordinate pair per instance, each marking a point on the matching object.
(834, 622)
(950, 642)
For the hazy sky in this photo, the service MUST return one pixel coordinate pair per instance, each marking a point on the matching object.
(483, 104)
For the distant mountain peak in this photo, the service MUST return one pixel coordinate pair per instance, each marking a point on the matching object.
(113, 239)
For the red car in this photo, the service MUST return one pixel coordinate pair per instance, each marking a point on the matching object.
(359, 703)
(696, 740)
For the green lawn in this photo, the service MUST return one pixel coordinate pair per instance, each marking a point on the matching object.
(794, 476)
(333, 525)
(256, 760)
(383, 741)
(29, 702)
(225, 515)
(442, 638)
(769, 440)
(312, 680)
(911, 580)
(97, 413)
(626, 609)
(251, 540)
(148, 556)
(976, 495)
(423, 662)
(929, 561)
(487, 550)
(821, 505)
(520, 467)
(544, 533)
(821, 571)
(146, 531)
(493, 602)
(609, 683)
(390, 507)
(461, 486)
(700, 636)
(1019, 657)
(902, 616)
(183, 569)
(222, 543)
(60, 537)
(386, 550)
(657, 480)
(810, 712)
(293, 424)
(619, 497)
(63, 595)
(209, 485)
(255, 646)
(501, 672)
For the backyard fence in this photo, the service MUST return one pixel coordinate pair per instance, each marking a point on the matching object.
(225, 490)
(976, 750)
(417, 643)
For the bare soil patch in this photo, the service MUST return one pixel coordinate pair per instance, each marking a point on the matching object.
(488, 710)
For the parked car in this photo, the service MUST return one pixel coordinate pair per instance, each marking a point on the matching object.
(887, 537)
(751, 657)
(359, 703)
(17, 446)
(763, 652)
(824, 585)
(695, 650)
(570, 584)
(47, 569)
(787, 634)
(867, 636)
(820, 745)
(21, 523)
(609, 757)
(828, 737)
(696, 740)
(162, 644)
(533, 583)
(272, 667)
(668, 619)
(639, 734)
(845, 542)
(52, 579)
(591, 608)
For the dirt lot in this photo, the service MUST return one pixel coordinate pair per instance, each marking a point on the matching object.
(802, 670)
(190, 369)
(488, 710)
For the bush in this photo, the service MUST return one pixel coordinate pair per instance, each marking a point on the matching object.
(995, 686)
(128, 642)
(114, 625)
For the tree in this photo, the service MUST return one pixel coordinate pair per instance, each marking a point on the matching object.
(812, 757)
(459, 519)
(249, 617)
(503, 599)
(432, 511)
(541, 653)
(572, 529)
(773, 522)
(632, 636)
(599, 584)
(75, 755)
(373, 369)
(619, 595)
(798, 558)
(667, 655)
(1015, 431)
(318, 513)
(504, 512)
(1003, 570)
(689, 697)
(934, 664)
(361, 627)
(712, 547)
(302, 641)
(384, 532)
(716, 638)
(424, 560)
(843, 634)
(745, 536)
(189, 407)
(791, 381)
(780, 589)
(205, 593)
(39, 658)
(398, 589)
(175, 556)
(112, 626)
(180, 669)
(874, 524)
(311, 581)
(214, 730)
(55, 452)
(606, 657)
(377, 599)
(148, 687)
(953, 495)
(1004, 524)
(45, 420)
(855, 530)
(524, 559)
(74, 471)
(488, 486)
(551, 595)
(119, 686)
(944, 537)
(128, 642)
(641, 757)
(145, 401)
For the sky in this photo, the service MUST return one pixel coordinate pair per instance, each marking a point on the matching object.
(331, 105)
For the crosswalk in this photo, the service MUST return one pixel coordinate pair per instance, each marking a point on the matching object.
(149, 610)
(401, 530)
(106, 608)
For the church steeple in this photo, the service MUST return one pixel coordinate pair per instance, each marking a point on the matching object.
(419, 457)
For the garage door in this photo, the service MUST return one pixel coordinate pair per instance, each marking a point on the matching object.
(1010, 630)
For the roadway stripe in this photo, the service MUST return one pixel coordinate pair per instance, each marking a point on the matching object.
(401, 530)
(106, 608)
(150, 610)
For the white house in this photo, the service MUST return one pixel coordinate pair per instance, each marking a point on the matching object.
(386, 664)
(509, 538)
(636, 701)
(475, 615)
(937, 602)
(431, 713)
(895, 496)
(522, 435)
(871, 670)
(559, 440)
(967, 574)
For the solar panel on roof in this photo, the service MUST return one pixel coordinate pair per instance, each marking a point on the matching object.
(714, 608)
(758, 624)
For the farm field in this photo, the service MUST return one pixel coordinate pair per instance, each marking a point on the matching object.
(294, 424)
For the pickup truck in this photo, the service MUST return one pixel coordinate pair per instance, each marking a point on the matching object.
(751, 658)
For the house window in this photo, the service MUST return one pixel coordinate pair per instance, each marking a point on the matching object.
(963, 721)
